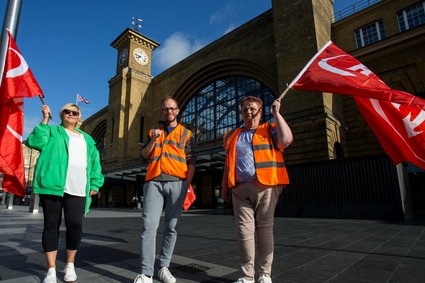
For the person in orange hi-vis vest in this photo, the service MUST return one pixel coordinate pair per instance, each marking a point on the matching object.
(171, 154)
(254, 175)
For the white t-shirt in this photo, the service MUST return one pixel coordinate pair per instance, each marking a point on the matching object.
(77, 164)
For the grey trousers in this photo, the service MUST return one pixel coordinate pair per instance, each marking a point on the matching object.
(155, 195)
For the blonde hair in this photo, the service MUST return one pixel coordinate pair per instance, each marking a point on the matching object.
(66, 106)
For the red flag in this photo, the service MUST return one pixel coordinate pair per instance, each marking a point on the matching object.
(190, 198)
(396, 117)
(18, 82)
(333, 70)
(400, 129)
(11, 157)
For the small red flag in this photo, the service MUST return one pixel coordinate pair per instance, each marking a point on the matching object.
(18, 82)
(190, 198)
(333, 70)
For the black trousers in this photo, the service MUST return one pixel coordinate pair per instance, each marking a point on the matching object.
(73, 209)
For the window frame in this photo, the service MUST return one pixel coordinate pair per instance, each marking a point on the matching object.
(362, 30)
(403, 13)
(221, 99)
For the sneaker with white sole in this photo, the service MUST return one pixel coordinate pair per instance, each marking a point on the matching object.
(264, 279)
(70, 275)
(50, 276)
(141, 278)
(165, 275)
(244, 280)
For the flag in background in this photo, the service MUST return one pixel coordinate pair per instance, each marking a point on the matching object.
(190, 198)
(80, 98)
(396, 117)
(18, 82)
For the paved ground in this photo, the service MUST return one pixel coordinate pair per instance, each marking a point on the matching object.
(307, 250)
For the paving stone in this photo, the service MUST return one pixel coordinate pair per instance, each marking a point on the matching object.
(306, 249)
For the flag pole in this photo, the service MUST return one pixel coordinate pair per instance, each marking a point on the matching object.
(42, 102)
(284, 93)
(10, 23)
(303, 70)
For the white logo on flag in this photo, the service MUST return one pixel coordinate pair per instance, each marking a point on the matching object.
(14, 133)
(411, 125)
(380, 111)
(20, 70)
(324, 65)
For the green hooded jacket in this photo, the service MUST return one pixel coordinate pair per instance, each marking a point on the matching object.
(52, 164)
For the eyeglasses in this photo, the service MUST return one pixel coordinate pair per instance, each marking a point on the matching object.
(169, 108)
(74, 113)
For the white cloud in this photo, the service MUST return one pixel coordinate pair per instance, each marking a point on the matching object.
(175, 48)
(222, 13)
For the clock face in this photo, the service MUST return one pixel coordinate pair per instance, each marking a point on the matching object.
(123, 56)
(140, 56)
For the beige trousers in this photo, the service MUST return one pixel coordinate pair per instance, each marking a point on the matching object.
(254, 206)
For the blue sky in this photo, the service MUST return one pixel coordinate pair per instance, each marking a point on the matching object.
(67, 42)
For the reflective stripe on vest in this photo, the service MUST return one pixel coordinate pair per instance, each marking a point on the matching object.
(168, 155)
(268, 161)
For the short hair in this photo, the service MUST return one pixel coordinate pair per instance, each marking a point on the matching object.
(66, 106)
(169, 98)
(251, 99)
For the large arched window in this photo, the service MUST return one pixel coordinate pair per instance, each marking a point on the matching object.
(214, 109)
(98, 135)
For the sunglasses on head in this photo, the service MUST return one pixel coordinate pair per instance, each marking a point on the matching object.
(74, 113)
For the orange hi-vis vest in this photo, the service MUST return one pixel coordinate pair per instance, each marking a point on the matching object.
(268, 161)
(168, 155)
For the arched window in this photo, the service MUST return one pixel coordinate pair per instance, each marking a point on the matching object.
(214, 109)
(98, 135)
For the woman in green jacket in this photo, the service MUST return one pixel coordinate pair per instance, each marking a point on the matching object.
(67, 174)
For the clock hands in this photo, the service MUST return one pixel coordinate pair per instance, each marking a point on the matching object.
(140, 56)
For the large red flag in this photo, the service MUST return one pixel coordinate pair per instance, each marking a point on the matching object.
(333, 70)
(18, 82)
(396, 117)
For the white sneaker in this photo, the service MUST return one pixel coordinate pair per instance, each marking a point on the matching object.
(244, 280)
(70, 275)
(264, 279)
(141, 278)
(165, 275)
(50, 276)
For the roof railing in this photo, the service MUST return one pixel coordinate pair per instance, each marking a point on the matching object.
(356, 7)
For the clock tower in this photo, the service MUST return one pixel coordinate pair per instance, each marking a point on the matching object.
(127, 91)
(134, 51)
